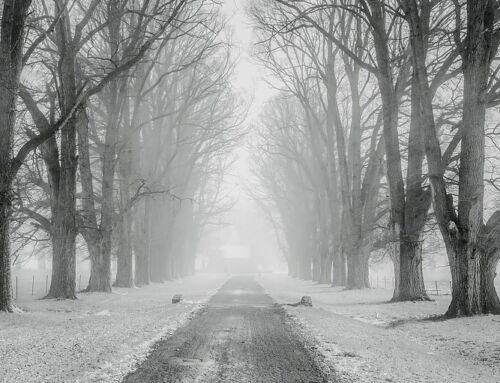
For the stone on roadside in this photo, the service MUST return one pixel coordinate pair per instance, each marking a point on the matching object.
(306, 301)
(177, 298)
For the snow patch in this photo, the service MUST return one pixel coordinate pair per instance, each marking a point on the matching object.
(97, 338)
(361, 337)
(103, 313)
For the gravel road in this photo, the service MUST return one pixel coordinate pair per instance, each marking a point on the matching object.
(241, 336)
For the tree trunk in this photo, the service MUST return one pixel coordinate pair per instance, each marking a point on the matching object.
(417, 204)
(101, 280)
(490, 300)
(305, 267)
(395, 249)
(142, 244)
(358, 268)
(473, 267)
(411, 283)
(326, 269)
(88, 216)
(466, 296)
(466, 289)
(7, 122)
(316, 271)
(163, 267)
(124, 271)
(390, 111)
(339, 277)
(13, 19)
(100, 267)
(63, 282)
(5, 272)
(160, 264)
(100, 277)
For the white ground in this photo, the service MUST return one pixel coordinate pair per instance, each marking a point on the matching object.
(97, 338)
(365, 339)
(101, 337)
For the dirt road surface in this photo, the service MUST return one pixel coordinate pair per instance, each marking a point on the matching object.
(241, 336)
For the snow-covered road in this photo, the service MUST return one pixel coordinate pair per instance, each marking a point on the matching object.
(242, 336)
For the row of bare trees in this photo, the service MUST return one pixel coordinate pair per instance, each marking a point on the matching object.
(379, 129)
(117, 124)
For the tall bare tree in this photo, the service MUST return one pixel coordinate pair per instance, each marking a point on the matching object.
(471, 245)
(12, 28)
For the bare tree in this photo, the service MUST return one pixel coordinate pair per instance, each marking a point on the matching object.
(13, 22)
(389, 61)
(471, 245)
(74, 89)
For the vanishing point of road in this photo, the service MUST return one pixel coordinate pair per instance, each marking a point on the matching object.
(241, 336)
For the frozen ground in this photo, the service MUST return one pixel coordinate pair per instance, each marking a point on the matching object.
(366, 339)
(97, 338)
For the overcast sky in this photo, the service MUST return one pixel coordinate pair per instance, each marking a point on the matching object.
(249, 75)
(248, 224)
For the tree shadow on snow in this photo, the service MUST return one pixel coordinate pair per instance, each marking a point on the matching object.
(430, 318)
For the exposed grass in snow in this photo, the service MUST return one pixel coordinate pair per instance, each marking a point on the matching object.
(97, 338)
(367, 339)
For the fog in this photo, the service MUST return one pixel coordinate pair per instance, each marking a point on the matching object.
(249, 190)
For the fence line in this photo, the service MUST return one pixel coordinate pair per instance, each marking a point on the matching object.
(38, 288)
(36, 285)
(433, 287)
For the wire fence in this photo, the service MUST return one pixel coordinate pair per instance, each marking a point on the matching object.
(35, 285)
(433, 287)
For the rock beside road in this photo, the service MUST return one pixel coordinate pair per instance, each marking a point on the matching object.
(304, 301)
(177, 298)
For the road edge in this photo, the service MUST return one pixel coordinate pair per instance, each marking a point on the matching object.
(115, 371)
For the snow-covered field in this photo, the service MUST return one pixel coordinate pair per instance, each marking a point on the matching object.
(97, 338)
(101, 337)
(366, 339)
